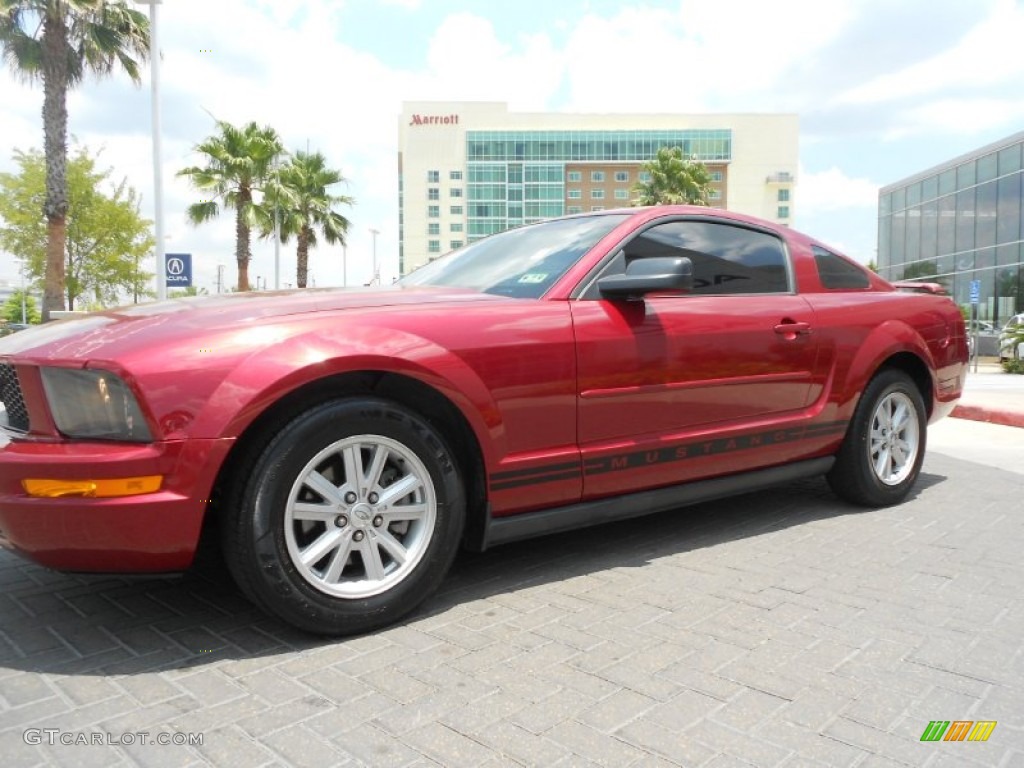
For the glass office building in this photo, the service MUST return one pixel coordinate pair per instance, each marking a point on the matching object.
(470, 169)
(958, 222)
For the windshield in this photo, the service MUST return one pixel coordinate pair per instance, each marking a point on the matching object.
(522, 262)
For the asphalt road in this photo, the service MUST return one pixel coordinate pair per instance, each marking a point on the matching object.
(784, 628)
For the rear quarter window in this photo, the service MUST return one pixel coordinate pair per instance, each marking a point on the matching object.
(836, 273)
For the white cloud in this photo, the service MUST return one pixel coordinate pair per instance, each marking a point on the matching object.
(833, 190)
(952, 116)
(988, 54)
(467, 61)
(728, 55)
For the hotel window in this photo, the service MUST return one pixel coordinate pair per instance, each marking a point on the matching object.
(433, 211)
(622, 194)
(783, 212)
(434, 228)
(455, 244)
(455, 192)
(573, 209)
(644, 176)
(622, 176)
(456, 210)
(574, 176)
(575, 194)
(597, 175)
(783, 195)
(456, 226)
(715, 194)
(433, 177)
(715, 175)
(433, 193)
(455, 175)
(597, 194)
(433, 246)
(597, 207)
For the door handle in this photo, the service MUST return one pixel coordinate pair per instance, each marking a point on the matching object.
(792, 330)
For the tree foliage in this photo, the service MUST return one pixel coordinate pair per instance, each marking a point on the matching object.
(11, 311)
(238, 164)
(57, 42)
(674, 180)
(106, 235)
(299, 197)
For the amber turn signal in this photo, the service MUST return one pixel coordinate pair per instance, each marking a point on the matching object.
(93, 489)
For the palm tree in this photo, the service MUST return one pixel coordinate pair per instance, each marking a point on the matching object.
(674, 180)
(58, 42)
(238, 163)
(303, 204)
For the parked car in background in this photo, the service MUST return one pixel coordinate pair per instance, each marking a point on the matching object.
(1011, 339)
(987, 334)
(346, 443)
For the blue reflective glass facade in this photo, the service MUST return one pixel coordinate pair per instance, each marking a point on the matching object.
(959, 222)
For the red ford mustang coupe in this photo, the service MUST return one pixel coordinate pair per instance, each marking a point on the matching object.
(566, 373)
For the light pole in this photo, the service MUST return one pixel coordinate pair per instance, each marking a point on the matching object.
(375, 280)
(344, 265)
(21, 272)
(158, 176)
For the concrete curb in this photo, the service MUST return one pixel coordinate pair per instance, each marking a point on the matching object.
(989, 415)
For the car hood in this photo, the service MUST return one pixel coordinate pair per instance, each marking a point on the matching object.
(165, 321)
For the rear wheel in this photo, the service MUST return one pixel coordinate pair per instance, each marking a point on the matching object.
(349, 518)
(881, 456)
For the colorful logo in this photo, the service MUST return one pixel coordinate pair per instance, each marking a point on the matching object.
(958, 730)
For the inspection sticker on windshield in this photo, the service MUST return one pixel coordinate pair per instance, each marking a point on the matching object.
(533, 277)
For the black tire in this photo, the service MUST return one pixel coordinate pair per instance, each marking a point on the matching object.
(856, 475)
(380, 559)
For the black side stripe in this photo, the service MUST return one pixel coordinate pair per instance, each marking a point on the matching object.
(500, 481)
(505, 485)
(543, 470)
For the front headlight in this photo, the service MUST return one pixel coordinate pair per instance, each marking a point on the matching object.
(93, 404)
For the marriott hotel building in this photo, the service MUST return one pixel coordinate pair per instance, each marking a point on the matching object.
(469, 169)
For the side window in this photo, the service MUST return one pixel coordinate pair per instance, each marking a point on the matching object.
(837, 273)
(726, 259)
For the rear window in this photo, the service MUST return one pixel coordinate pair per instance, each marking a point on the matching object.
(837, 273)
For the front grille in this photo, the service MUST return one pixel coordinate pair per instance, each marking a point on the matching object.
(10, 397)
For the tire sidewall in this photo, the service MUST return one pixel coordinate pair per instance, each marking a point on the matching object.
(869, 488)
(275, 578)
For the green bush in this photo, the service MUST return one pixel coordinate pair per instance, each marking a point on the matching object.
(1013, 366)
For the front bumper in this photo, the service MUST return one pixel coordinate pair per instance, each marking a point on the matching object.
(147, 533)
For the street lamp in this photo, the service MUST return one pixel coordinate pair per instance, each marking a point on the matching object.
(158, 178)
(21, 272)
(375, 280)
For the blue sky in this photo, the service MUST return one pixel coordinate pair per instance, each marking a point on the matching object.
(884, 89)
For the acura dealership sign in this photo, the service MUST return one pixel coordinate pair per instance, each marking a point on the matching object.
(178, 268)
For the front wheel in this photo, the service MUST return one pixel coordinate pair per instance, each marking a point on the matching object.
(349, 518)
(880, 458)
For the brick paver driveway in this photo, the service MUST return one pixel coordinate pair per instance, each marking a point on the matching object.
(782, 628)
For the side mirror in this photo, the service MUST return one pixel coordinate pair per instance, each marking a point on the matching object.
(657, 274)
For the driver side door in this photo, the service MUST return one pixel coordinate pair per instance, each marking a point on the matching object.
(658, 376)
